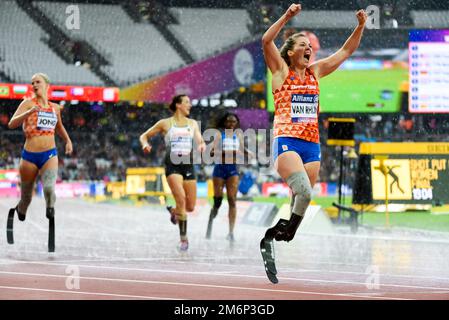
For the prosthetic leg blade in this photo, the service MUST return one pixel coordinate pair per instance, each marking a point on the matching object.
(267, 251)
(10, 226)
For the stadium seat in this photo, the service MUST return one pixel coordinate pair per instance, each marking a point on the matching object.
(18, 34)
(135, 51)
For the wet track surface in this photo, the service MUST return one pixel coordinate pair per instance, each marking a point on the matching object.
(125, 252)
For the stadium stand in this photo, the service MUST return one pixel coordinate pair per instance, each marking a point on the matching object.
(18, 34)
(325, 19)
(430, 18)
(105, 137)
(135, 50)
(206, 32)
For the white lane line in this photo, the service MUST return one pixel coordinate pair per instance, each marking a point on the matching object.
(236, 275)
(88, 293)
(383, 237)
(182, 260)
(227, 274)
(405, 292)
(329, 263)
(74, 261)
(365, 274)
(200, 285)
(258, 277)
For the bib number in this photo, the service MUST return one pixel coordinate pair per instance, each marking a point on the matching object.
(230, 144)
(46, 120)
(304, 108)
(181, 145)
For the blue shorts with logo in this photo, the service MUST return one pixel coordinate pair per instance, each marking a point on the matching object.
(39, 158)
(308, 151)
(225, 171)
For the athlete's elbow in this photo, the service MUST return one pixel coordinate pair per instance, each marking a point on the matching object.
(266, 40)
(11, 125)
(143, 138)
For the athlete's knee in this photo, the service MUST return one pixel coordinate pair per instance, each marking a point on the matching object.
(25, 198)
(180, 200)
(48, 183)
(302, 191)
(27, 195)
(232, 201)
(217, 202)
(190, 207)
(49, 195)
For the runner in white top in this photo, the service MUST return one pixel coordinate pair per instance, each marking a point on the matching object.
(180, 132)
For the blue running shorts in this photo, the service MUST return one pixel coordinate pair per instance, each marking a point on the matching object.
(39, 158)
(308, 151)
(225, 171)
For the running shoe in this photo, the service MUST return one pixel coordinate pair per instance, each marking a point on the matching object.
(184, 245)
(173, 217)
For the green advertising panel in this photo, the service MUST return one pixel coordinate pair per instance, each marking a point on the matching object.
(370, 86)
(362, 90)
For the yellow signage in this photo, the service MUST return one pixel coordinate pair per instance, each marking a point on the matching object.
(116, 189)
(397, 172)
(146, 182)
(404, 148)
(407, 179)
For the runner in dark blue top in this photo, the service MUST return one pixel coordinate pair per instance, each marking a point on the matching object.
(227, 147)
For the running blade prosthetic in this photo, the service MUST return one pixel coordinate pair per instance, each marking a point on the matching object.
(10, 226)
(267, 251)
(51, 229)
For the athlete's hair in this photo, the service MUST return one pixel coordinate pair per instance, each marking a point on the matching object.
(288, 32)
(176, 99)
(221, 121)
(288, 45)
(43, 75)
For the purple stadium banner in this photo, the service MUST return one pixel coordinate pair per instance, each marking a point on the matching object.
(253, 118)
(242, 66)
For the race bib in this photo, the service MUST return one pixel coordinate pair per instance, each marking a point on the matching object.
(304, 107)
(181, 145)
(46, 120)
(231, 144)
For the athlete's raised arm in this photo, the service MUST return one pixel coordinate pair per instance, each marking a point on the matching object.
(325, 66)
(271, 53)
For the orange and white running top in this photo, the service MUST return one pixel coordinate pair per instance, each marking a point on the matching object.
(297, 107)
(40, 123)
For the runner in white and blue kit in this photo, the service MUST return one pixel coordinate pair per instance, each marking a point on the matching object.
(227, 147)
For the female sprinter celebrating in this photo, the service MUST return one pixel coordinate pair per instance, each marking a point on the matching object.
(228, 144)
(179, 132)
(296, 148)
(40, 119)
